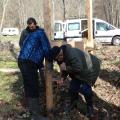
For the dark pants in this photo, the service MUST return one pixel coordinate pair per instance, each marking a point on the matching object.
(77, 86)
(30, 76)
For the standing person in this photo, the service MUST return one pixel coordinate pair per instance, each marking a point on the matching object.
(82, 67)
(35, 47)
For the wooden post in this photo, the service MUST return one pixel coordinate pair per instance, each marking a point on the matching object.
(48, 21)
(89, 43)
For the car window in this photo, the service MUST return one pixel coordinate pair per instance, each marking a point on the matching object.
(83, 25)
(102, 26)
(111, 27)
(74, 26)
(58, 27)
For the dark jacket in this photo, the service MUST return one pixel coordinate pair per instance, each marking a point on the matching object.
(34, 46)
(80, 65)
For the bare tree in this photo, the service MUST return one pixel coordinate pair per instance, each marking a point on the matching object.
(64, 10)
(16, 13)
(112, 12)
(22, 13)
(5, 2)
(108, 10)
(82, 8)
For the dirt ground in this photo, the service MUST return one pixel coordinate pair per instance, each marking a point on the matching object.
(106, 92)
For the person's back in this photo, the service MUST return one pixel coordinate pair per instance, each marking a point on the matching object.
(85, 66)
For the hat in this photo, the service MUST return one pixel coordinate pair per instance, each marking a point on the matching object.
(55, 51)
(31, 20)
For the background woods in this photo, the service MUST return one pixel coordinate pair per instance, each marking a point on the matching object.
(13, 13)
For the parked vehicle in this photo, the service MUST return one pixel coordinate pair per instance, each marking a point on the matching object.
(59, 30)
(74, 27)
(10, 31)
(106, 33)
(103, 31)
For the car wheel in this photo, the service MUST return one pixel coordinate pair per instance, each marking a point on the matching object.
(116, 40)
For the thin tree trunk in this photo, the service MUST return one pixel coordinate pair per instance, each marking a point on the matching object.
(3, 14)
(23, 13)
(64, 12)
(48, 18)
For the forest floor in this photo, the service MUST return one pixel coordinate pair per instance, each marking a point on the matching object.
(106, 89)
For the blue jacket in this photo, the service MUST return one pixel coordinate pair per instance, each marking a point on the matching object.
(35, 47)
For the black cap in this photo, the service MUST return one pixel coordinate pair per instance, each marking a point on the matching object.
(55, 51)
(31, 20)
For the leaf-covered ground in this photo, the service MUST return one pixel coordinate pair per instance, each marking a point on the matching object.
(106, 91)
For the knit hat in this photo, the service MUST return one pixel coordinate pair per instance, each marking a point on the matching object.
(31, 20)
(55, 51)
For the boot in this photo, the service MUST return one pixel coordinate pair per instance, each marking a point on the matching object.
(72, 104)
(74, 99)
(34, 107)
(90, 111)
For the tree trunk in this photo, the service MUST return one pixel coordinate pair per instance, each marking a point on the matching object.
(48, 25)
(5, 2)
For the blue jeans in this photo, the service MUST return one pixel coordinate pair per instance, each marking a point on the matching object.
(77, 86)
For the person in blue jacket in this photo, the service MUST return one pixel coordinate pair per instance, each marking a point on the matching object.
(35, 46)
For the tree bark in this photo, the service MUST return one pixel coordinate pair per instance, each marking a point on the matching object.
(48, 25)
